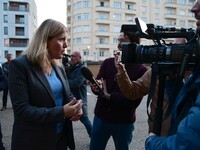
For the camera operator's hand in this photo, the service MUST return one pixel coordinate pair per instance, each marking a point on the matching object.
(119, 66)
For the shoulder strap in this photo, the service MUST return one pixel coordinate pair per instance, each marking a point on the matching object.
(152, 86)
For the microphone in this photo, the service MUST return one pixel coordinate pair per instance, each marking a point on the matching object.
(89, 76)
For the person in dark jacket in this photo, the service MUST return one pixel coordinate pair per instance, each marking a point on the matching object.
(3, 85)
(114, 113)
(184, 133)
(43, 104)
(5, 71)
(78, 86)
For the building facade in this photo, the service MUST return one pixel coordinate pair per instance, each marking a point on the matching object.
(94, 25)
(18, 21)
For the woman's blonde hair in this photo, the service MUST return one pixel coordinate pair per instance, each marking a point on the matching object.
(37, 51)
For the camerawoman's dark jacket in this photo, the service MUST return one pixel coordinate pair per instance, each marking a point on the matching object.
(118, 109)
(35, 114)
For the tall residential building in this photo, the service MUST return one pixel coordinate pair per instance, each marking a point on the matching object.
(94, 25)
(18, 21)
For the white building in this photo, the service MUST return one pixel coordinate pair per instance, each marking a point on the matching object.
(18, 21)
(94, 25)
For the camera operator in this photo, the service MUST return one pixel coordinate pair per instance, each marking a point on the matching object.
(185, 122)
(141, 87)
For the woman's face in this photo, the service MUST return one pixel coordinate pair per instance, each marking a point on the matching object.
(56, 46)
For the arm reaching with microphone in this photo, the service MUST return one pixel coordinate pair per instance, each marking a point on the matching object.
(89, 76)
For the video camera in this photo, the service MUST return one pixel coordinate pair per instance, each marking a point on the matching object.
(161, 52)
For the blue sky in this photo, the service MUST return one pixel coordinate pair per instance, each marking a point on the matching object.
(54, 9)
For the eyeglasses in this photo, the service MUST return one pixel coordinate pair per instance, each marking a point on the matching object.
(123, 40)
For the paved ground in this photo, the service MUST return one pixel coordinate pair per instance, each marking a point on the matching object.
(81, 138)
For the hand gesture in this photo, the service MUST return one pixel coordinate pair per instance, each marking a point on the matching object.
(72, 108)
(119, 66)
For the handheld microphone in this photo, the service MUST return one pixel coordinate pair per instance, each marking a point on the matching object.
(89, 76)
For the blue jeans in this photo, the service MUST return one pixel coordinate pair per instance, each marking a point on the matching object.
(86, 122)
(101, 132)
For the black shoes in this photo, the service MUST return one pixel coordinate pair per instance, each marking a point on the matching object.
(3, 108)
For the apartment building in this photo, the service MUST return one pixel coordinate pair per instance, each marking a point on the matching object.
(18, 21)
(94, 25)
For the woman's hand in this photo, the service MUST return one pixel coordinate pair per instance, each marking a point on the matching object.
(77, 116)
(73, 108)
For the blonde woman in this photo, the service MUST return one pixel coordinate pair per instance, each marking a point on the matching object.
(42, 102)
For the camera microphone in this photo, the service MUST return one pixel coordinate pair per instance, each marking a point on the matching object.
(89, 76)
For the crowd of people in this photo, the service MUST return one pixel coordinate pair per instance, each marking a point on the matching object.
(46, 98)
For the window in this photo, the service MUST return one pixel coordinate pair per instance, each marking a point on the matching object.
(77, 5)
(181, 2)
(86, 4)
(86, 16)
(77, 29)
(170, 22)
(5, 30)
(85, 52)
(5, 6)
(19, 31)
(169, 1)
(101, 53)
(182, 12)
(102, 4)
(78, 40)
(116, 29)
(115, 40)
(102, 28)
(157, 1)
(5, 18)
(22, 7)
(77, 17)
(130, 6)
(102, 40)
(6, 42)
(129, 18)
(19, 19)
(182, 23)
(156, 10)
(117, 5)
(170, 11)
(117, 16)
(5, 53)
(102, 16)
(190, 14)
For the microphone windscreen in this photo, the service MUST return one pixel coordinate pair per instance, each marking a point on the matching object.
(86, 73)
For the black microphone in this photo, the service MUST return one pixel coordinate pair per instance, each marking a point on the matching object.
(89, 76)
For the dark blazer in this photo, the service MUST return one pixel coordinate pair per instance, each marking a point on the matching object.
(35, 114)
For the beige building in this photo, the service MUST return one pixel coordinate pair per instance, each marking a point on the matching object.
(94, 25)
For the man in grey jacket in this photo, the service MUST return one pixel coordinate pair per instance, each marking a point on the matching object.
(78, 86)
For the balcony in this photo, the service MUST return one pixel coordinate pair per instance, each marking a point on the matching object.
(18, 44)
(11, 8)
(103, 8)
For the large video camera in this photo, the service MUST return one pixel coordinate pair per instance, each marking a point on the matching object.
(161, 52)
